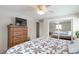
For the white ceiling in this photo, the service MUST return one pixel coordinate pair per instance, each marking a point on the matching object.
(52, 11)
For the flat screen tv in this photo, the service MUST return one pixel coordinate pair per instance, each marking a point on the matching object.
(20, 21)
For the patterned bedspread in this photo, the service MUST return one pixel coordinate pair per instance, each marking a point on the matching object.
(40, 46)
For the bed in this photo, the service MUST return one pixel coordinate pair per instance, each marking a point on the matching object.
(63, 35)
(41, 46)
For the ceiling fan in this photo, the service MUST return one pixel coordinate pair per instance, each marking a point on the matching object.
(41, 9)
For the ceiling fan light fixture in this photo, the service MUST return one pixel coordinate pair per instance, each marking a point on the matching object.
(41, 9)
(40, 12)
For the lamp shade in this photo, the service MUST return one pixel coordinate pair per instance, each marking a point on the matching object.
(58, 26)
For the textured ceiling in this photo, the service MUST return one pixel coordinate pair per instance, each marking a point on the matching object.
(52, 11)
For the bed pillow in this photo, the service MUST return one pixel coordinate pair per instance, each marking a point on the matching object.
(69, 33)
(61, 33)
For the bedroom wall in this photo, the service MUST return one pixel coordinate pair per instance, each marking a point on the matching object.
(44, 31)
(4, 21)
(7, 18)
(45, 28)
(31, 28)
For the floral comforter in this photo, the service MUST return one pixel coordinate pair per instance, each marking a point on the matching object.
(40, 46)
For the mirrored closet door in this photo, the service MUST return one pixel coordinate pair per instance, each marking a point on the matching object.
(60, 29)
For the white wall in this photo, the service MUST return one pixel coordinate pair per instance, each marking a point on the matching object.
(44, 29)
(4, 21)
(31, 28)
(7, 18)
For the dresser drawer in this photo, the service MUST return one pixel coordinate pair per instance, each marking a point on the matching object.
(18, 42)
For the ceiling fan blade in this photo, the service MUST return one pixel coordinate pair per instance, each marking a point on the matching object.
(48, 5)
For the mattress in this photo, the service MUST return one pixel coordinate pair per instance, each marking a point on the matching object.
(41, 46)
(62, 37)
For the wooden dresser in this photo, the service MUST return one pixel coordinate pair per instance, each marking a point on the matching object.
(16, 35)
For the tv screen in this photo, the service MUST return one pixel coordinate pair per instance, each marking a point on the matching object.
(20, 21)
